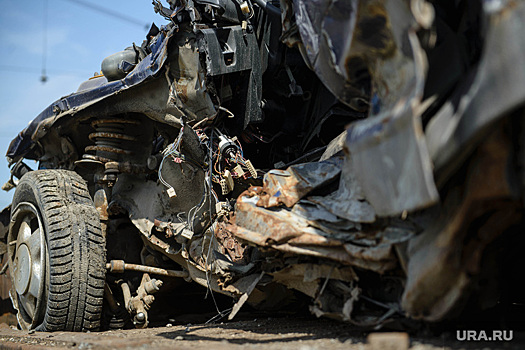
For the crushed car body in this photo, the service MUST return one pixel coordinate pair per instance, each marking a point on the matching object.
(357, 153)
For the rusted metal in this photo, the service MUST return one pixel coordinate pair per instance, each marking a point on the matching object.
(111, 135)
(129, 168)
(116, 266)
(449, 252)
(164, 227)
(237, 251)
(286, 231)
(115, 139)
(277, 227)
(142, 301)
(119, 266)
(101, 203)
(358, 231)
(289, 186)
(115, 120)
(107, 149)
(126, 293)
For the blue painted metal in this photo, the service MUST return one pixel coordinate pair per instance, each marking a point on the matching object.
(145, 70)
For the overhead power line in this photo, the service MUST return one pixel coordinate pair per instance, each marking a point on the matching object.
(33, 70)
(110, 12)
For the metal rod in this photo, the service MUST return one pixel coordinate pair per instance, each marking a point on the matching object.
(4, 268)
(126, 293)
(110, 299)
(120, 266)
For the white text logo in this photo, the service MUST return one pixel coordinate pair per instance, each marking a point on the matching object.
(465, 335)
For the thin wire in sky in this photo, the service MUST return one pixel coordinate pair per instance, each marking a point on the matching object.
(33, 70)
(110, 12)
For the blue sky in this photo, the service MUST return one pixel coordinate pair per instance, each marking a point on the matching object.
(78, 39)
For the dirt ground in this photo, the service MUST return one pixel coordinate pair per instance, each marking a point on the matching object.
(302, 333)
(188, 329)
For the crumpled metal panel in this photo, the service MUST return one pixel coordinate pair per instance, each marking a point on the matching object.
(496, 89)
(445, 255)
(391, 144)
(276, 226)
(379, 40)
(188, 90)
(393, 149)
(308, 278)
(326, 29)
(312, 230)
(144, 70)
(346, 41)
(180, 92)
(289, 186)
(348, 201)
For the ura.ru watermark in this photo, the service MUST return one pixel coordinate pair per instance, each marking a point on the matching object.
(494, 335)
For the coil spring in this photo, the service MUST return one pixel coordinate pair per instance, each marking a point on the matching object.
(111, 139)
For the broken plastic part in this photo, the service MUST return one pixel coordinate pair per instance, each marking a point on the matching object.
(224, 187)
(245, 8)
(218, 206)
(252, 170)
(238, 170)
(172, 193)
(229, 180)
(186, 233)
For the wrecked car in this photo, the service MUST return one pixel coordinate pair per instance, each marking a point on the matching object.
(364, 154)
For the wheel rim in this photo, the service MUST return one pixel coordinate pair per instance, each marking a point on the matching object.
(28, 264)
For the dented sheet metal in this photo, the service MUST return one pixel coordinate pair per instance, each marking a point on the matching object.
(363, 231)
(309, 227)
(391, 144)
(444, 254)
(146, 69)
(483, 99)
(394, 150)
(379, 39)
(309, 278)
(326, 37)
(348, 201)
(288, 186)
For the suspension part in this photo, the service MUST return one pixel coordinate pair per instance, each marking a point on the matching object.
(113, 139)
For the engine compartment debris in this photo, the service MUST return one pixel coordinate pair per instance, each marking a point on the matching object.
(356, 153)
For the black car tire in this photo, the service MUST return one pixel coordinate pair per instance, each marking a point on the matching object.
(56, 253)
